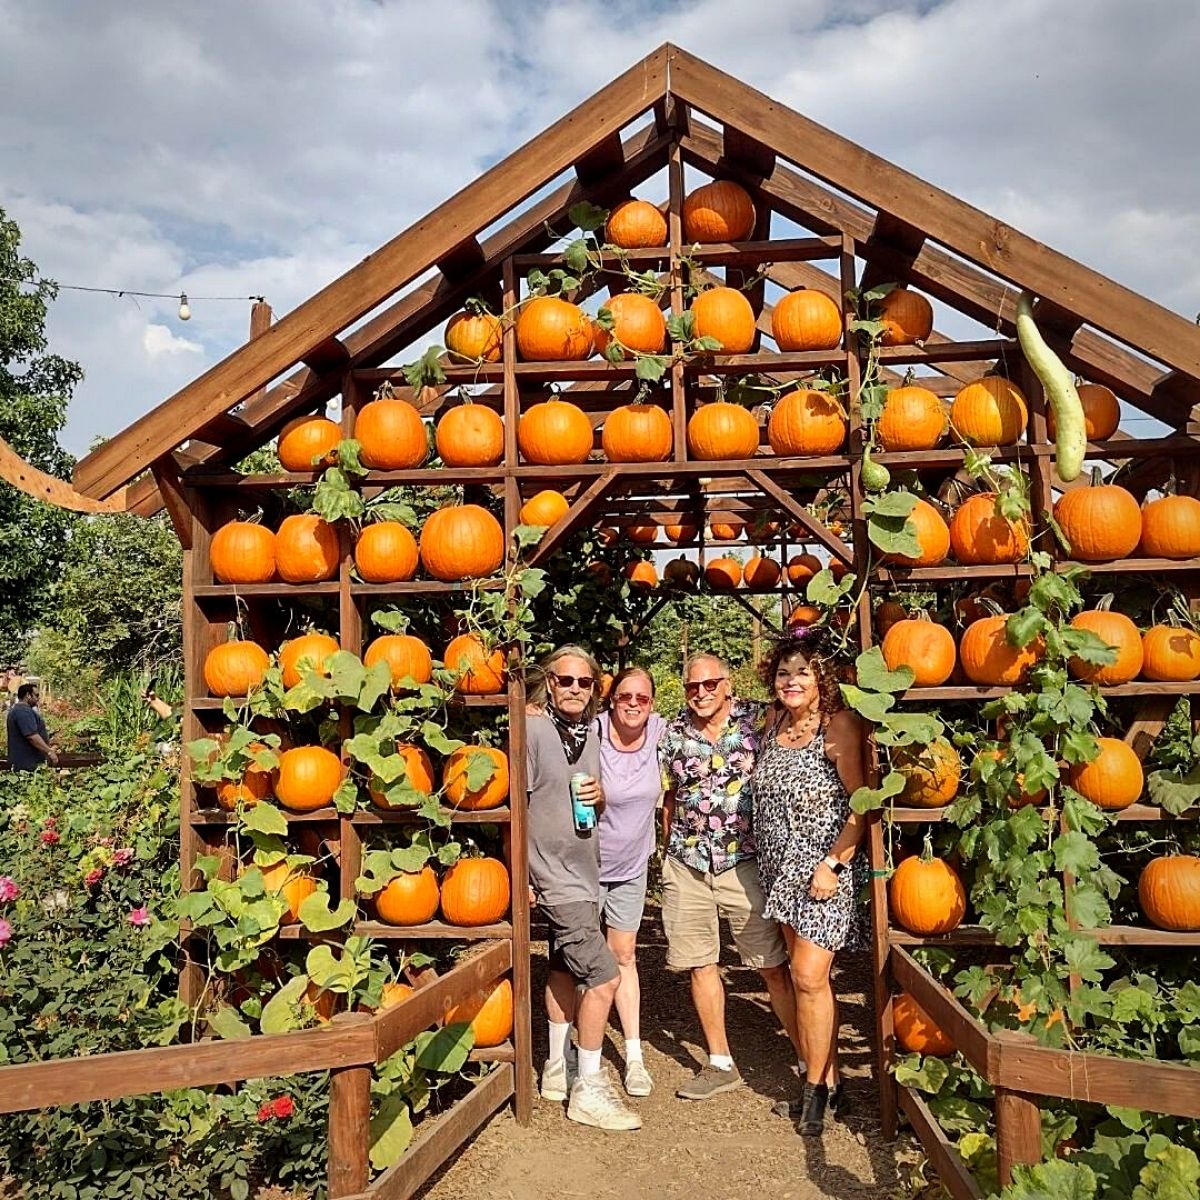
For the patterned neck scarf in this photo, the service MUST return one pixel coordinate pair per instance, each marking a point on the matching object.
(572, 734)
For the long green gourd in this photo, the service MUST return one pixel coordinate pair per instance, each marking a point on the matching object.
(1070, 444)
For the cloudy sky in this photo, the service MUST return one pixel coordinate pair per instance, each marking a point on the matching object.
(233, 149)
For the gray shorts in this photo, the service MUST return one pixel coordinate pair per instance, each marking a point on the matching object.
(622, 903)
(576, 944)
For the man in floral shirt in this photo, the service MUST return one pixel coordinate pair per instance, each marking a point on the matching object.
(707, 756)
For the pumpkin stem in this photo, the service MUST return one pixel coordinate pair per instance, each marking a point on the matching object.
(1097, 476)
(927, 846)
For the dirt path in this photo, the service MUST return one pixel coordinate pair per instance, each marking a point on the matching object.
(731, 1147)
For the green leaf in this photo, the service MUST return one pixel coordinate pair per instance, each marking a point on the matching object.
(1086, 959)
(445, 1050)
(393, 620)
(316, 916)
(891, 504)
(872, 706)
(893, 535)
(1174, 792)
(682, 326)
(1172, 1175)
(651, 367)
(1088, 647)
(427, 370)
(1075, 852)
(874, 675)
(391, 1131)
(576, 255)
(826, 591)
(865, 799)
(926, 1074)
(349, 456)
(908, 729)
(1023, 626)
(1056, 1180)
(226, 1023)
(334, 498)
(280, 1013)
(586, 216)
(264, 818)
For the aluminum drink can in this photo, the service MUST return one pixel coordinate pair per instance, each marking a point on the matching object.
(583, 814)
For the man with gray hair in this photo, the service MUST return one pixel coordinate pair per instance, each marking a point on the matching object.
(709, 870)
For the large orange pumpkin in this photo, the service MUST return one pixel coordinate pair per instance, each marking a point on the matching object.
(386, 552)
(308, 777)
(242, 552)
(409, 899)
(418, 774)
(1118, 631)
(637, 433)
(724, 313)
(470, 435)
(761, 572)
(235, 668)
(638, 324)
(925, 647)
(723, 573)
(463, 541)
(309, 651)
(1171, 527)
(1169, 892)
(933, 535)
(916, 1031)
(490, 1013)
(1171, 654)
(293, 884)
(306, 549)
(554, 433)
(806, 320)
(642, 575)
(931, 773)
(545, 508)
(806, 422)
(989, 658)
(553, 330)
(636, 225)
(913, 418)
(907, 318)
(476, 336)
(1101, 412)
(981, 535)
(1113, 779)
(926, 896)
(720, 211)
(990, 412)
(475, 891)
(308, 443)
(722, 431)
(407, 657)
(492, 794)
(1100, 522)
(391, 434)
(482, 674)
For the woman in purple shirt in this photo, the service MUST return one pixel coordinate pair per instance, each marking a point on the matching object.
(632, 785)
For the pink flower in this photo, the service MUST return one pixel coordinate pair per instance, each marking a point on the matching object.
(123, 857)
(264, 1111)
(50, 822)
(9, 890)
(140, 916)
(283, 1107)
(104, 841)
(5, 931)
(94, 876)
(50, 837)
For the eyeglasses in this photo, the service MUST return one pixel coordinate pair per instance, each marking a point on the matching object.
(709, 685)
(638, 698)
(584, 682)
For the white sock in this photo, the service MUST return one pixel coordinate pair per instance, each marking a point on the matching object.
(589, 1062)
(633, 1050)
(560, 1035)
(723, 1062)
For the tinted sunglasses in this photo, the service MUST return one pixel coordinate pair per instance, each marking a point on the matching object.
(586, 682)
(709, 685)
(633, 698)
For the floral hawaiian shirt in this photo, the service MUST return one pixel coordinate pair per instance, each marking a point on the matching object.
(710, 830)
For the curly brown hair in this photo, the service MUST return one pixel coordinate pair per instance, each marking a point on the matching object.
(811, 643)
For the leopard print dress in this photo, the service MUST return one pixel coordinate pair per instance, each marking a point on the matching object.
(800, 807)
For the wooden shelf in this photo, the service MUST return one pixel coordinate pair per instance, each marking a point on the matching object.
(950, 572)
(218, 816)
(421, 587)
(720, 254)
(433, 929)
(363, 817)
(1113, 935)
(903, 815)
(944, 352)
(278, 591)
(1141, 687)
(489, 1054)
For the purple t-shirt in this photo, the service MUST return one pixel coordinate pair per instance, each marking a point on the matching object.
(632, 784)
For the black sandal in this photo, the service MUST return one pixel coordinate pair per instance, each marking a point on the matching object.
(812, 1115)
(794, 1109)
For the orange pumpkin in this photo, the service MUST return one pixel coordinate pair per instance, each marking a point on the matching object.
(1113, 779)
(409, 899)
(481, 673)
(256, 783)
(309, 651)
(806, 320)
(907, 318)
(545, 508)
(407, 657)
(491, 794)
(1100, 522)
(308, 777)
(926, 896)
(803, 614)
(981, 535)
(806, 422)
(726, 531)
(1101, 412)
(725, 314)
(1169, 892)
(925, 647)
(554, 433)
(931, 773)
(915, 1029)
(990, 412)
(723, 573)
(553, 330)
(638, 325)
(641, 575)
(637, 433)
(802, 567)
(1118, 631)
(989, 658)
(476, 336)
(242, 552)
(720, 211)
(636, 225)
(721, 431)
(293, 884)
(761, 572)
(463, 541)
(306, 549)
(913, 418)
(235, 668)
(391, 434)
(308, 443)
(1171, 654)
(681, 572)
(470, 435)
(643, 535)
(393, 994)
(418, 774)
(680, 533)
(490, 1013)
(888, 614)
(386, 552)
(475, 891)
(933, 535)
(1171, 527)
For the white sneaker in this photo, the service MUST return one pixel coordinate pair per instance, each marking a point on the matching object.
(594, 1101)
(637, 1078)
(558, 1077)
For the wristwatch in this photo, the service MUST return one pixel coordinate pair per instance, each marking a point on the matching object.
(834, 864)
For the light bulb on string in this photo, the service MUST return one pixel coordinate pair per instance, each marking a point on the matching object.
(185, 313)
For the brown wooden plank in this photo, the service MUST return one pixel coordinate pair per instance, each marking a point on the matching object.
(818, 529)
(748, 152)
(170, 490)
(574, 517)
(604, 159)
(952, 1172)
(463, 261)
(1018, 1131)
(349, 1168)
(1148, 723)
(330, 354)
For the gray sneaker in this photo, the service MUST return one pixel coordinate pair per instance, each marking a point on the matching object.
(709, 1081)
(637, 1079)
(594, 1101)
(558, 1077)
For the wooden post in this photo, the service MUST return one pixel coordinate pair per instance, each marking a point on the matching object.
(1018, 1131)
(679, 414)
(349, 1130)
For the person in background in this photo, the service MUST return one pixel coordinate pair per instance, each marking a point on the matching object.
(28, 740)
(808, 837)
(707, 756)
(564, 872)
(632, 784)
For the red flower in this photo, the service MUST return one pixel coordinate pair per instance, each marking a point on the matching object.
(94, 876)
(283, 1107)
(50, 822)
(50, 837)
(264, 1111)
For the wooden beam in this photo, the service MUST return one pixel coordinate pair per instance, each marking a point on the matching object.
(1018, 1132)
(818, 529)
(328, 355)
(605, 158)
(952, 1172)
(572, 518)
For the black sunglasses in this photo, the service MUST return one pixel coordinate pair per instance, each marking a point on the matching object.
(585, 682)
(709, 685)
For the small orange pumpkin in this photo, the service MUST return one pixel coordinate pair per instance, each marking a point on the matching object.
(393, 994)
(491, 794)
(726, 531)
(802, 567)
(636, 225)
(306, 549)
(409, 899)
(723, 573)
(476, 336)
(1100, 522)
(806, 320)
(386, 552)
(931, 773)
(913, 418)
(916, 1031)
(308, 443)
(1171, 527)
(546, 508)
(391, 434)
(407, 657)
(293, 884)
(926, 896)
(932, 534)
(475, 891)
(979, 534)
(990, 659)
(761, 572)
(641, 575)
(235, 668)
(470, 435)
(642, 535)
(555, 433)
(490, 1013)
(803, 614)
(462, 541)
(308, 777)
(1101, 412)
(724, 313)
(806, 422)
(990, 412)
(1169, 892)
(418, 774)
(680, 533)
(1171, 654)
(681, 572)
(637, 433)
(1118, 631)
(256, 783)
(309, 651)
(481, 673)
(907, 318)
(638, 325)
(925, 647)
(553, 330)
(722, 431)
(242, 552)
(721, 211)
(1113, 779)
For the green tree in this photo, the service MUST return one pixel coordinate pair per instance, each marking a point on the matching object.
(35, 388)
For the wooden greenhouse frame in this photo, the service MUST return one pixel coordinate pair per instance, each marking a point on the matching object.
(864, 222)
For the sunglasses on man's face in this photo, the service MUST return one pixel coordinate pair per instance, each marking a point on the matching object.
(583, 682)
(638, 698)
(693, 687)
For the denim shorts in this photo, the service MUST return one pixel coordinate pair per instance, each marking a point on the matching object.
(623, 902)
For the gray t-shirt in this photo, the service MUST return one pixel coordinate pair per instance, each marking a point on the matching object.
(23, 721)
(564, 866)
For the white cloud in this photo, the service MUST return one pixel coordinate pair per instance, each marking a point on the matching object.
(158, 339)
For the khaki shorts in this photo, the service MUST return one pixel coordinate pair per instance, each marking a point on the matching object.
(693, 902)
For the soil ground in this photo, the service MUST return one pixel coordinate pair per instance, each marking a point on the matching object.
(731, 1147)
